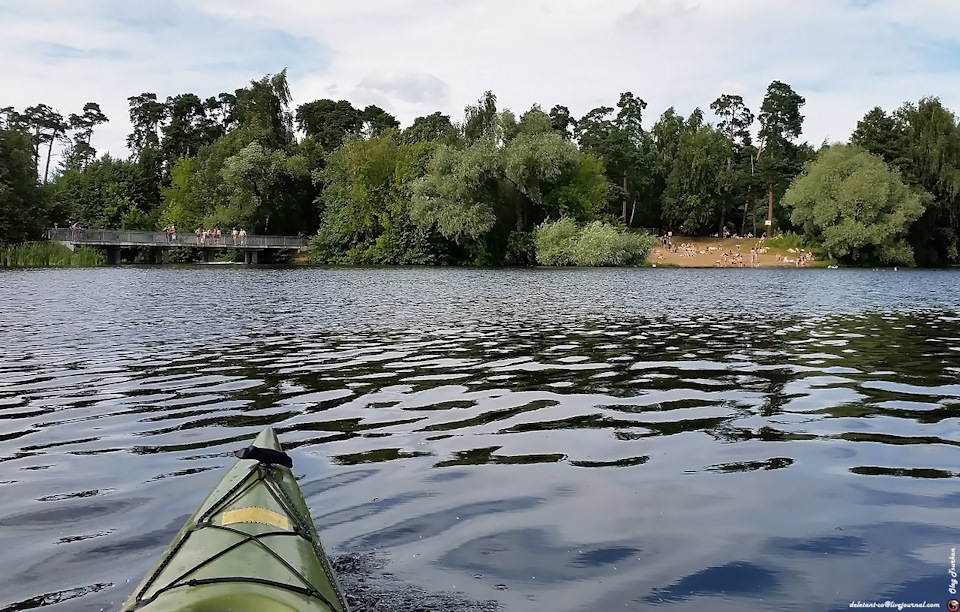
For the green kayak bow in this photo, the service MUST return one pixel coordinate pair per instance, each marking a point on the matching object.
(250, 546)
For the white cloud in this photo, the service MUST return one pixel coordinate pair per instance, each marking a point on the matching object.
(420, 56)
(415, 88)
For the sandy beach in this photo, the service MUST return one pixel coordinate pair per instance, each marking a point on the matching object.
(722, 253)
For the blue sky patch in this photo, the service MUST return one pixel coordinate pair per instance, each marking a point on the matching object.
(201, 40)
(940, 55)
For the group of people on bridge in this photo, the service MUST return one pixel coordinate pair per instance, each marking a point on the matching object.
(214, 236)
(209, 236)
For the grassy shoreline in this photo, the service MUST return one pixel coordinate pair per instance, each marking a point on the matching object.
(48, 255)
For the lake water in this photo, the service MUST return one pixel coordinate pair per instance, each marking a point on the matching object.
(547, 439)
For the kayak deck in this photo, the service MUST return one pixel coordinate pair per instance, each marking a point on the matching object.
(251, 545)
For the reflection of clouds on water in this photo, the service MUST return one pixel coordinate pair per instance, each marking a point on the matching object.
(588, 439)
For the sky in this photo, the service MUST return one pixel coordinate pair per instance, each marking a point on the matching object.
(415, 57)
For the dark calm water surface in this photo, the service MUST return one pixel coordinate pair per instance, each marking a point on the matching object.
(549, 439)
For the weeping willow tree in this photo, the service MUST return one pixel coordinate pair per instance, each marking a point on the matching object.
(510, 176)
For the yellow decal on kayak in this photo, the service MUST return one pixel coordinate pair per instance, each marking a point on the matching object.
(256, 515)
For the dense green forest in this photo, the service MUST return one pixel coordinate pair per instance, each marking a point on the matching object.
(496, 188)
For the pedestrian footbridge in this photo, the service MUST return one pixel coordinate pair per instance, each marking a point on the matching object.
(161, 243)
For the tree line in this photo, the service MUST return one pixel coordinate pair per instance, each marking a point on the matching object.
(495, 187)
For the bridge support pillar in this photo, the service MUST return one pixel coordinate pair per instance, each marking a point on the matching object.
(207, 255)
(113, 256)
(250, 257)
(161, 255)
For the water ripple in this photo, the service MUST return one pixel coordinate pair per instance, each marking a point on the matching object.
(579, 439)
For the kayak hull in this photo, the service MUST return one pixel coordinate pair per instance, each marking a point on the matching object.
(251, 545)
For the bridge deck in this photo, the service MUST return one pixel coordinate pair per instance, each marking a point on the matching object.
(134, 238)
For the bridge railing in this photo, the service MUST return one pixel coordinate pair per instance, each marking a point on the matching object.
(108, 237)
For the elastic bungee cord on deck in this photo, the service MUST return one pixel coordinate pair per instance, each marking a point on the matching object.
(263, 471)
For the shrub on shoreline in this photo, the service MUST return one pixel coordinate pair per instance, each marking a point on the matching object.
(786, 241)
(564, 243)
(48, 254)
